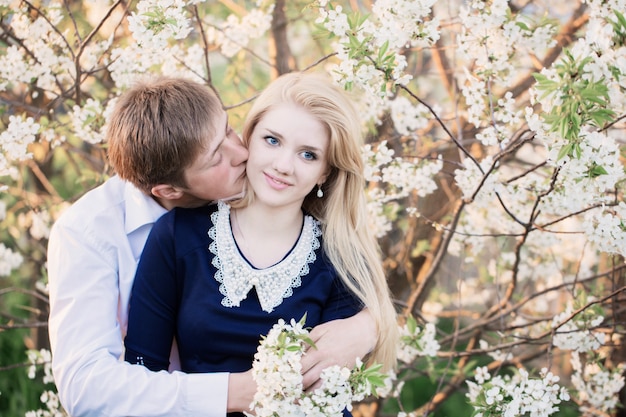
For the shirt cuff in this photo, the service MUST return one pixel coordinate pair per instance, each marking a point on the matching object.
(207, 394)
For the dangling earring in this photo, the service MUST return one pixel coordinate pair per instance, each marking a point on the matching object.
(320, 193)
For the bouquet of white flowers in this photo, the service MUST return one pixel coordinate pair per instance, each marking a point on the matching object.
(277, 372)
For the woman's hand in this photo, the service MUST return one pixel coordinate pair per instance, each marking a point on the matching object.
(338, 342)
(241, 390)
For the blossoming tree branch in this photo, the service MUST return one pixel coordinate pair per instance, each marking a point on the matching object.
(495, 171)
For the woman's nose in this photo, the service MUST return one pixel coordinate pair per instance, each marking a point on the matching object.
(283, 163)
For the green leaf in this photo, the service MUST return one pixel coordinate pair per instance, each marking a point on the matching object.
(577, 151)
(620, 19)
(374, 368)
(563, 127)
(293, 348)
(383, 50)
(594, 95)
(411, 324)
(282, 338)
(597, 170)
(469, 367)
(602, 116)
(539, 77)
(545, 84)
(376, 381)
(565, 150)
(619, 29)
(308, 341)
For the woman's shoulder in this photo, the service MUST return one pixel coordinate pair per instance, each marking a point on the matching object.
(186, 213)
(183, 230)
(184, 218)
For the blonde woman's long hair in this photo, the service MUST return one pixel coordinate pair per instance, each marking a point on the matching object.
(342, 211)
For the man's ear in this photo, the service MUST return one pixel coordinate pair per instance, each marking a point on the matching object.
(167, 192)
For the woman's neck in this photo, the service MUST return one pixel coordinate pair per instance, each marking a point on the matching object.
(262, 218)
(264, 234)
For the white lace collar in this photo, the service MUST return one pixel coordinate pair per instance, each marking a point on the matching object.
(237, 277)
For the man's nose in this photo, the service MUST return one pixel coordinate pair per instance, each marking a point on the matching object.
(237, 152)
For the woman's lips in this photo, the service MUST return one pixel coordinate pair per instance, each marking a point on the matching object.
(276, 183)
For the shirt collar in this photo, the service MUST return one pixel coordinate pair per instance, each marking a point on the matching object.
(141, 209)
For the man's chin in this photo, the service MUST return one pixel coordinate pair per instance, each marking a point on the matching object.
(235, 197)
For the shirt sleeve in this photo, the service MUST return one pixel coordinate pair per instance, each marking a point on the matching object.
(86, 341)
(341, 302)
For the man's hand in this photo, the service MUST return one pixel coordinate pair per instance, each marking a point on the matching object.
(338, 342)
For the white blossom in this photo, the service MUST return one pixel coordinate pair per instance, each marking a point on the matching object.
(415, 341)
(607, 228)
(497, 354)
(405, 23)
(277, 370)
(393, 26)
(14, 142)
(234, 34)
(517, 395)
(43, 56)
(37, 222)
(87, 121)
(155, 22)
(37, 358)
(597, 387)
(130, 63)
(407, 118)
(576, 334)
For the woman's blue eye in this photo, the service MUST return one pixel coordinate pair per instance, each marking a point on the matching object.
(271, 140)
(309, 156)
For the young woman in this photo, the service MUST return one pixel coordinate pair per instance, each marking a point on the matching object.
(218, 277)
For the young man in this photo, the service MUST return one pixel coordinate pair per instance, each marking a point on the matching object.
(170, 145)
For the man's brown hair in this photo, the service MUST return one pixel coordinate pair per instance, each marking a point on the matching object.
(158, 128)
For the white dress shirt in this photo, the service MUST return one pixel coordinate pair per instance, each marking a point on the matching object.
(92, 256)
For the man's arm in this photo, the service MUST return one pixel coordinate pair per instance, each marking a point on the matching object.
(86, 342)
(338, 342)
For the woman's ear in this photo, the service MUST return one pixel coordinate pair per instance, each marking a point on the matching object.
(323, 178)
(167, 192)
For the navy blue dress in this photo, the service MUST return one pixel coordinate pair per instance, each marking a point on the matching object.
(180, 291)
